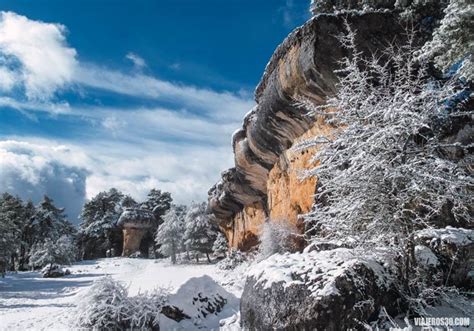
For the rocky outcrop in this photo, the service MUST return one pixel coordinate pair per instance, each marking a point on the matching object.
(264, 182)
(136, 223)
(328, 290)
(200, 303)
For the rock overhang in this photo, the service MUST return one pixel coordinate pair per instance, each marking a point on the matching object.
(303, 66)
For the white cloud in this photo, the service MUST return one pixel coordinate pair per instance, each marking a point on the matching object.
(33, 105)
(32, 170)
(223, 104)
(73, 172)
(137, 60)
(46, 62)
(181, 151)
(113, 123)
(8, 79)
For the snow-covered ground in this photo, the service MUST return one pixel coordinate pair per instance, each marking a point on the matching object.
(29, 302)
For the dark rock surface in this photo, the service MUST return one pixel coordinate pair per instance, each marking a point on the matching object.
(302, 66)
(351, 294)
(453, 249)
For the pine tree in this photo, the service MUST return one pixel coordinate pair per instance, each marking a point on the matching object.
(200, 232)
(27, 236)
(452, 42)
(12, 222)
(170, 234)
(98, 230)
(158, 202)
(49, 222)
(220, 246)
(62, 251)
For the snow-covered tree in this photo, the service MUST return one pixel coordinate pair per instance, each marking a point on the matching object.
(158, 202)
(220, 246)
(385, 171)
(452, 42)
(49, 222)
(200, 232)
(12, 221)
(27, 236)
(98, 230)
(170, 235)
(276, 237)
(62, 251)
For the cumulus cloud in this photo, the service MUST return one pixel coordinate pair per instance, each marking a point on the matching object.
(32, 170)
(180, 150)
(46, 63)
(72, 173)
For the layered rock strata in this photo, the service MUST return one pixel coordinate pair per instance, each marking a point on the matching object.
(264, 183)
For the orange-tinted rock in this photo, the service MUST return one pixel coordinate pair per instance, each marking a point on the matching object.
(266, 170)
(132, 238)
(242, 232)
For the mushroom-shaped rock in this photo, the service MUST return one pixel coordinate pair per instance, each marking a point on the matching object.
(135, 224)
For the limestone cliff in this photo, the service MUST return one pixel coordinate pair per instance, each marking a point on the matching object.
(264, 184)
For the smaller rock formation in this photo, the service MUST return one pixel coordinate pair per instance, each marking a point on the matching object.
(201, 303)
(136, 223)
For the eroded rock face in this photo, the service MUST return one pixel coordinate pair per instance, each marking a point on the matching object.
(302, 66)
(329, 290)
(132, 238)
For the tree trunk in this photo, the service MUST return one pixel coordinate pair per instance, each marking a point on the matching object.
(12, 262)
(197, 258)
(173, 254)
(208, 259)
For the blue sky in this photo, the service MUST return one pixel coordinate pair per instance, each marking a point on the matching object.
(129, 94)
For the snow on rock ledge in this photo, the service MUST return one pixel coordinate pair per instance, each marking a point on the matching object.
(329, 290)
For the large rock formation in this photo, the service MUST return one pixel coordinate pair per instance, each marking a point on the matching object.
(264, 182)
(136, 223)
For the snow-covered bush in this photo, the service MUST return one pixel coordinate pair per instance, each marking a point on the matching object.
(276, 237)
(54, 271)
(220, 246)
(233, 259)
(106, 305)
